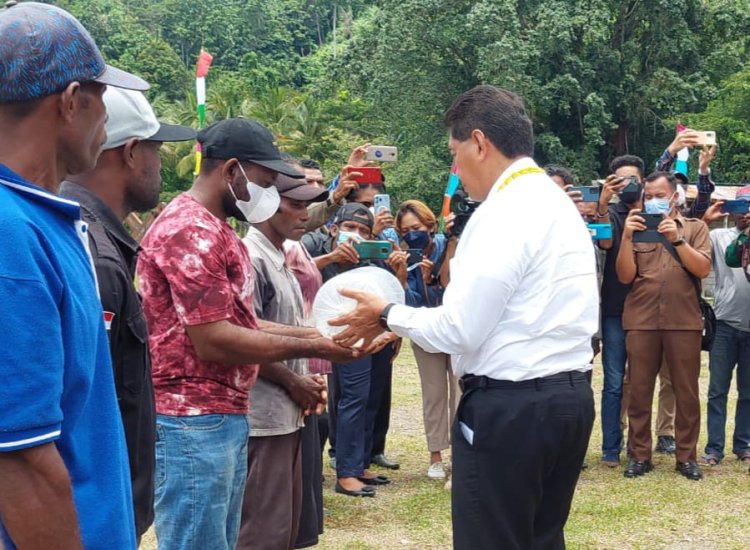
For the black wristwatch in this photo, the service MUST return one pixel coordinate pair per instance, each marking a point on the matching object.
(384, 316)
(679, 242)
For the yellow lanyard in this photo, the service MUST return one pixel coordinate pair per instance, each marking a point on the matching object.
(518, 174)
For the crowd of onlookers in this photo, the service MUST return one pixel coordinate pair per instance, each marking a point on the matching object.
(203, 402)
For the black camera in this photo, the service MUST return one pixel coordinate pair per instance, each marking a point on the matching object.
(463, 207)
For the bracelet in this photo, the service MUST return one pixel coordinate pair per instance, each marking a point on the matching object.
(600, 216)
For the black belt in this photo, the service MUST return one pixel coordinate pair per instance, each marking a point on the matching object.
(471, 382)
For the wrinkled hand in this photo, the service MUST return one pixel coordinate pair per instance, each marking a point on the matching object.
(611, 187)
(357, 156)
(686, 138)
(363, 323)
(381, 342)
(397, 262)
(575, 196)
(335, 352)
(707, 154)
(426, 266)
(320, 406)
(634, 222)
(714, 213)
(669, 229)
(347, 184)
(345, 253)
(305, 392)
(382, 220)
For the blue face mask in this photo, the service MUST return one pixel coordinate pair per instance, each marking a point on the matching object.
(417, 239)
(657, 206)
(348, 235)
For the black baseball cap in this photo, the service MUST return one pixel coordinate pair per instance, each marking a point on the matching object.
(244, 139)
(299, 189)
(354, 212)
(44, 48)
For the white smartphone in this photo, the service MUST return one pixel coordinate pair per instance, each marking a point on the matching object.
(380, 203)
(382, 153)
(707, 138)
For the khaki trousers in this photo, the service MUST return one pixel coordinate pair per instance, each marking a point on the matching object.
(682, 351)
(665, 411)
(440, 394)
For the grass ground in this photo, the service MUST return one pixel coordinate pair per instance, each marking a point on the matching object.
(660, 511)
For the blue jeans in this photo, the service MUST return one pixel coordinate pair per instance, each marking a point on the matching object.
(614, 358)
(731, 348)
(201, 467)
(361, 387)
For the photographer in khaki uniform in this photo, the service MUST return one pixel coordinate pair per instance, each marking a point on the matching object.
(662, 317)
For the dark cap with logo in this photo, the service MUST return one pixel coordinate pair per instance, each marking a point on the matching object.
(299, 189)
(44, 48)
(246, 140)
(354, 212)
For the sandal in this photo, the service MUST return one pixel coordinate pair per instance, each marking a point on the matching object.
(744, 456)
(712, 460)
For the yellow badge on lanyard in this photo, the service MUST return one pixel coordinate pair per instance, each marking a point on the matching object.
(517, 174)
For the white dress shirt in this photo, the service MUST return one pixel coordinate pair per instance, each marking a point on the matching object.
(523, 301)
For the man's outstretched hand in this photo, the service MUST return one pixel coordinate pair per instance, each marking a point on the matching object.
(363, 323)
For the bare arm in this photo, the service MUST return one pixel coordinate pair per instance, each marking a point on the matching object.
(287, 330)
(303, 390)
(223, 342)
(36, 500)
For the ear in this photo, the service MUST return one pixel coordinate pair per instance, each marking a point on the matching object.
(130, 151)
(334, 231)
(230, 169)
(481, 143)
(69, 101)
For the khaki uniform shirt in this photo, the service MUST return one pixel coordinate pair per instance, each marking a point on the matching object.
(663, 296)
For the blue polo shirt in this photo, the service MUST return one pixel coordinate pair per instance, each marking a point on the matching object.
(56, 382)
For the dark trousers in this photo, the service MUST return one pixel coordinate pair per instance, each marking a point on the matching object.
(514, 483)
(311, 517)
(361, 385)
(383, 417)
(682, 351)
(731, 349)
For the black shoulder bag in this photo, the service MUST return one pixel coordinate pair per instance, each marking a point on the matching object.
(707, 312)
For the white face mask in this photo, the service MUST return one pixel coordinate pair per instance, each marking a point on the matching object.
(263, 203)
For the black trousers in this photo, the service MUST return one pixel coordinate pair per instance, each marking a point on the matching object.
(514, 482)
(311, 516)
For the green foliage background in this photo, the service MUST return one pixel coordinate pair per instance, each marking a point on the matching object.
(600, 78)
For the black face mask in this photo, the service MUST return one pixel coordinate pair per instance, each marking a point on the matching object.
(630, 197)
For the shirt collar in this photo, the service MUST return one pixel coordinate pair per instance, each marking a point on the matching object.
(679, 219)
(96, 207)
(277, 256)
(519, 164)
(38, 194)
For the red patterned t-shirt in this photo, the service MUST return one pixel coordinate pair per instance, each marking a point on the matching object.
(193, 270)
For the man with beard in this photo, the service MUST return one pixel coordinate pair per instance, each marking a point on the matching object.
(206, 342)
(127, 178)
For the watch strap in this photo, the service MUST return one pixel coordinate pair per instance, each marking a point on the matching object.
(384, 316)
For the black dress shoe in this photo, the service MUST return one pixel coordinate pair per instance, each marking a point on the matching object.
(377, 480)
(665, 444)
(636, 468)
(383, 462)
(690, 470)
(363, 492)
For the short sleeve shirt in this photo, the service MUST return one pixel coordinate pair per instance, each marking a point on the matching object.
(193, 269)
(663, 296)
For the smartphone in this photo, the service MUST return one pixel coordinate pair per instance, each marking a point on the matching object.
(600, 231)
(380, 203)
(374, 250)
(416, 255)
(588, 193)
(382, 153)
(370, 175)
(707, 138)
(632, 186)
(650, 235)
(736, 207)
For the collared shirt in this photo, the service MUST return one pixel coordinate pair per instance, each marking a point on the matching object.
(731, 292)
(613, 291)
(56, 371)
(418, 293)
(663, 296)
(278, 298)
(114, 252)
(523, 301)
(195, 270)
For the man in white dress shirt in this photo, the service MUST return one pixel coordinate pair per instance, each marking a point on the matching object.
(518, 318)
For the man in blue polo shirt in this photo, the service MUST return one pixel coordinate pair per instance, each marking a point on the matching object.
(64, 480)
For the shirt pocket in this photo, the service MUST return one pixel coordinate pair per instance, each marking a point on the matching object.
(135, 355)
(647, 257)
